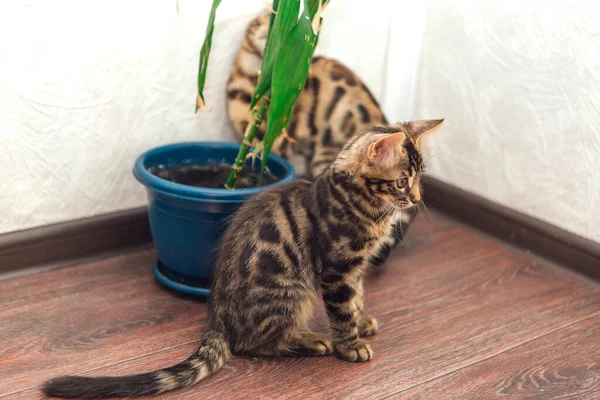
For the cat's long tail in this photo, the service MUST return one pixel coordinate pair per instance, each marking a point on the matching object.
(210, 356)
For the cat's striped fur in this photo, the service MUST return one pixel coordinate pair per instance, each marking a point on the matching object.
(283, 249)
(334, 105)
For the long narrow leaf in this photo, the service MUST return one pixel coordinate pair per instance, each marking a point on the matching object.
(290, 71)
(204, 53)
(285, 19)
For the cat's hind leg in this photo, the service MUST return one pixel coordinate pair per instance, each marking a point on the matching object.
(286, 332)
(307, 343)
(299, 343)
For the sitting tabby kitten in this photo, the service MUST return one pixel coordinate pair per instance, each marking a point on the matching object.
(282, 249)
(333, 106)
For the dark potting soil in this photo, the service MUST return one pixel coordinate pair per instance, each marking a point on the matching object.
(211, 176)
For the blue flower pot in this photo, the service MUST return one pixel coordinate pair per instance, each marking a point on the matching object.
(187, 222)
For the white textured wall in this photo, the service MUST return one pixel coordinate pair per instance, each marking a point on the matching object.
(86, 86)
(519, 84)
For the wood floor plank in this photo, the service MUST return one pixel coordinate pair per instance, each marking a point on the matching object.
(562, 365)
(451, 299)
(88, 316)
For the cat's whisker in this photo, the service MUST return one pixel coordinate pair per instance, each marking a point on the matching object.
(400, 225)
(372, 201)
(426, 209)
(421, 212)
(392, 207)
(397, 208)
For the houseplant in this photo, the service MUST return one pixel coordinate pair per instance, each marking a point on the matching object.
(188, 218)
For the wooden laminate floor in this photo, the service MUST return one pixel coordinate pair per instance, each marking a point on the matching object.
(461, 316)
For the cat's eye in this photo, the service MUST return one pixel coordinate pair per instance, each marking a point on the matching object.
(400, 183)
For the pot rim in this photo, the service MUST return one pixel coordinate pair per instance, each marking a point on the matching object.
(153, 182)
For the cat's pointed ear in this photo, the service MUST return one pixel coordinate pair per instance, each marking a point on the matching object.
(418, 129)
(385, 151)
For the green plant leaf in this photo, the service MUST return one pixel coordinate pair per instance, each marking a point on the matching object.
(281, 24)
(204, 53)
(290, 70)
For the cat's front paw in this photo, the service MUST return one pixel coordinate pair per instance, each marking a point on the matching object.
(359, 351)
(367, 326)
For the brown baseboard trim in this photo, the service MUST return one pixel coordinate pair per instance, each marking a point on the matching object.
(74, 239)
(567, 249)
(83, 238)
